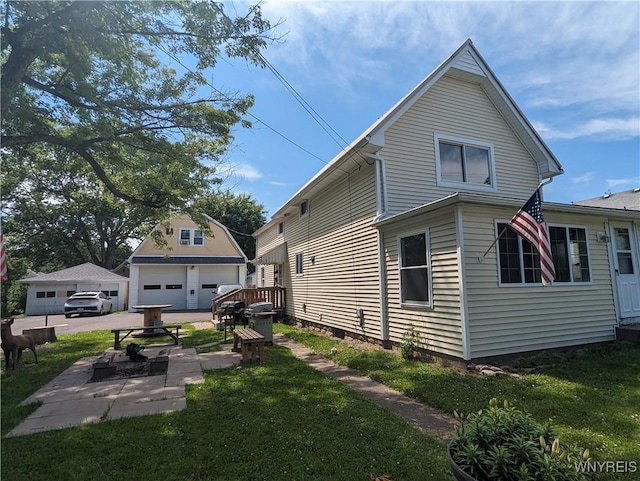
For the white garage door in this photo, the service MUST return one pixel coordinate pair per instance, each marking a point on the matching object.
(163, 285)
(211, 276)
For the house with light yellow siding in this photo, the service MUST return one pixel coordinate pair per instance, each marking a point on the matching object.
(393, 234)
(188, 267)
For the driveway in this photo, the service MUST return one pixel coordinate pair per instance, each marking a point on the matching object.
(109, 321)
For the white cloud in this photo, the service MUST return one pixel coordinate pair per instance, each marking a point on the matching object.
(631, 181)
(554, 57)
(599, 128)
(584, 178)
(278, 184)
(247, 171)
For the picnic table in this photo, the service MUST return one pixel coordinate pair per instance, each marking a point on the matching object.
(152, 313)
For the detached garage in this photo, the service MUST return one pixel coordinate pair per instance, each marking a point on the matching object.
(188, 268)
(47, 293)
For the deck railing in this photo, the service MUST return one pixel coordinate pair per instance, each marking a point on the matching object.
(276, 295)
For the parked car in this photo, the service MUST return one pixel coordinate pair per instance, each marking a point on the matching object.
(87, 303)
(225, 288)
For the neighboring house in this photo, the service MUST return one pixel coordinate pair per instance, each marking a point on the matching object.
(390, 235)
(627, 200)
(47, 293)
(188, 269)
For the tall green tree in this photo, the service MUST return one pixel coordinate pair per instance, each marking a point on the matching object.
(240, 213)
(92, 80)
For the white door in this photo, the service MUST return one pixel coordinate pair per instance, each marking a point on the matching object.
(626, 270)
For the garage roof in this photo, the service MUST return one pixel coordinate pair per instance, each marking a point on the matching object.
(82, 272)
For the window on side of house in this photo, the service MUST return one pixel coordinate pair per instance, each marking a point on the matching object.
(198, 238)
(415, 271)
(519, 262)
(299, 264)
(304, 208)
(185, 237)
(464, 163)
(280, 228)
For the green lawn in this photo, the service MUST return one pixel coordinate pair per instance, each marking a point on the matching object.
(592, 399)
(282, 420)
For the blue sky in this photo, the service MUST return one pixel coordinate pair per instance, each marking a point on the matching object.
(572, 67)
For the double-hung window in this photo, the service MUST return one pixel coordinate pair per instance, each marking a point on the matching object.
(415, 272)
(519, 262)
(464, 163)
(191, 237)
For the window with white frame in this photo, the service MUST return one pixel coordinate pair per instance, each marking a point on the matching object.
(280, 228)
(519, 262)
(191, 237)
(299, 264)
(304, 208)
(415, 271)
(464, 162)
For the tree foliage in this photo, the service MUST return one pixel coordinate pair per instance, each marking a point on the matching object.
(92, 81)
(240, 213)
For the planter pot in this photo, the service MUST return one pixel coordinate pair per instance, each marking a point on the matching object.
(457, 472)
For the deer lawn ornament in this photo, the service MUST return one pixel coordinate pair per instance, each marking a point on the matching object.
(14, 345)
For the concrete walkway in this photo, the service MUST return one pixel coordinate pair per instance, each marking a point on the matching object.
(70, 400)
(429, 420)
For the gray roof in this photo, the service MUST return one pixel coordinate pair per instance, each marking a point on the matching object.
(82, 272)
(627, 200)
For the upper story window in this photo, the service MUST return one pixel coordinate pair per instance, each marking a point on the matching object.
(464, 163)
(280, 228)
(519, 262)
(304, 208)
(191, 237)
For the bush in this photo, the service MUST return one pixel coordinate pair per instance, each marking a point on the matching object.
(410, 344)
(506, 444)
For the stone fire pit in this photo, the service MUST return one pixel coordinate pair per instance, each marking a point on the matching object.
(117, 365)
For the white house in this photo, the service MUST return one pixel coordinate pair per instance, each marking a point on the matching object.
(391, 234)
(186, 271)
(47, 293)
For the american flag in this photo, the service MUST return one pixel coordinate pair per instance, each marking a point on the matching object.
(529, 224)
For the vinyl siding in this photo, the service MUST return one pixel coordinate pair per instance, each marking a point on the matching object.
(440, 325)
(508, 319)
(216, 244)
(344, 276)
(457, 108)
(270, 239)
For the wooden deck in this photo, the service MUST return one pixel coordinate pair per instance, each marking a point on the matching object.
(276, 295)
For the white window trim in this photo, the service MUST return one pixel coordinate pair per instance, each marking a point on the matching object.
(437, 137)
(300, 273)
(520, 253)
(278, 233)
(427, 240)
(191, 237)
(306, 214)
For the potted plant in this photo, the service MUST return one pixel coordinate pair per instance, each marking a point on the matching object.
(502, 443)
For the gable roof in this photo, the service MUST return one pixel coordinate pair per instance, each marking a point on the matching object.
(466, 64)
(83, 272)
(627, 200)
(174, 223)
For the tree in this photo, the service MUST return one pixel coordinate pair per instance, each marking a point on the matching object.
(240, 213)
(89, 80)
(61, 215)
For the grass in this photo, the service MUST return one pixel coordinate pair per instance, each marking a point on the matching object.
(281, 420)
(593, 399)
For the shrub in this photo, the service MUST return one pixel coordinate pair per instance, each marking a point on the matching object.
(410, 344)
(504, 443)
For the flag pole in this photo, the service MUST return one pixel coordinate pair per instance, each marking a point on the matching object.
(481, 258)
